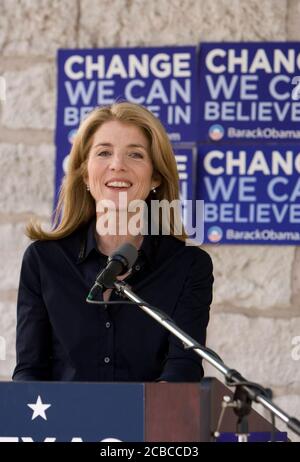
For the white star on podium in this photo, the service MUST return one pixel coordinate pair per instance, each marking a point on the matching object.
(39, 409)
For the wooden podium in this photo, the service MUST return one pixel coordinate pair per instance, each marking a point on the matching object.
(190, 412)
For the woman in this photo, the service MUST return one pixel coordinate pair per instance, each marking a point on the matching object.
(121, 150)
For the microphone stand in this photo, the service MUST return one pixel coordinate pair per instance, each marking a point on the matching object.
(245, 391)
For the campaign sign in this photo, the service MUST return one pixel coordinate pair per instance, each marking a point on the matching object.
(71, 412)
(162, 79)
(186, 159)
(249, 92)
(251, 194)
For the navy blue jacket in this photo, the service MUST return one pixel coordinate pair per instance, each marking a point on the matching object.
(62, 337)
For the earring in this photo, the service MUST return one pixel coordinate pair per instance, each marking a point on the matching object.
(87, 187)
(154, 190)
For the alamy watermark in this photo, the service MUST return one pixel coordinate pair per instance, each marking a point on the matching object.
(296, 90)
(2, 89)
(168, 218)
(296, 349)
(2, 349)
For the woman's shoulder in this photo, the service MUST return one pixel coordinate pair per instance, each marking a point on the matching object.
(42, 247)
(195, 249)
(187, 249)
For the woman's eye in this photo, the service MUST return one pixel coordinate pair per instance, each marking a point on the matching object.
(137, 155)
(103, 154)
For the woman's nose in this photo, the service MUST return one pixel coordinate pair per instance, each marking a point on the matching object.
(117, 162)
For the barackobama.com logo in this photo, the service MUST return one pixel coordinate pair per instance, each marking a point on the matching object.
(71, 136)
(216, 132)
(214, 234)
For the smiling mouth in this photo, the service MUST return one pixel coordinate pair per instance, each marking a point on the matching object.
(121, 185)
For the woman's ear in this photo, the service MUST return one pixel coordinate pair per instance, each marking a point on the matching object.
(86, 183)
(156, 180)
(85, 178)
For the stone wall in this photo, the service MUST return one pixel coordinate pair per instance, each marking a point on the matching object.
(256, 311)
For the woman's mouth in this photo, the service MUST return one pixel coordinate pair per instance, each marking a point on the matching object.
(118, 185)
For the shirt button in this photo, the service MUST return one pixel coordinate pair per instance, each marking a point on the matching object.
(108, 325)
(105, 306)
(106, 360)
(137, 267)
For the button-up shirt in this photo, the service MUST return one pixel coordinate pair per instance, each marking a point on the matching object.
(62, 337)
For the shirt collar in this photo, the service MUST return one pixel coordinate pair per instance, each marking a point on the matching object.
(88, 241)
(88, 244)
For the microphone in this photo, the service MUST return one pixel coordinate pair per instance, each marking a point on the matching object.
(117, 264)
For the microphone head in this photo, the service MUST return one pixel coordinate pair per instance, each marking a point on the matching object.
(127, 253)
(118, 264)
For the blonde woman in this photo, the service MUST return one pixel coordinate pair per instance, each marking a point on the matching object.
(120, 151)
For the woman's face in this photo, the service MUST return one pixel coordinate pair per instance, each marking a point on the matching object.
(119, 161)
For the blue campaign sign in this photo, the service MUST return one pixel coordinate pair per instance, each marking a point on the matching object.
(251, 193)
(249, 92)
(162, 79)
(186, 159)
(64, 412)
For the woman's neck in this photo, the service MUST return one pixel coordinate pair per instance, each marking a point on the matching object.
(108, 244)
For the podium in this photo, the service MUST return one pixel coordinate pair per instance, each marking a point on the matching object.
(152, 412)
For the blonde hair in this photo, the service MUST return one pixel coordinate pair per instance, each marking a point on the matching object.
(76, 206)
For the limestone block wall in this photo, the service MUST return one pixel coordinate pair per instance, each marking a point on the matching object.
(255, 317)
